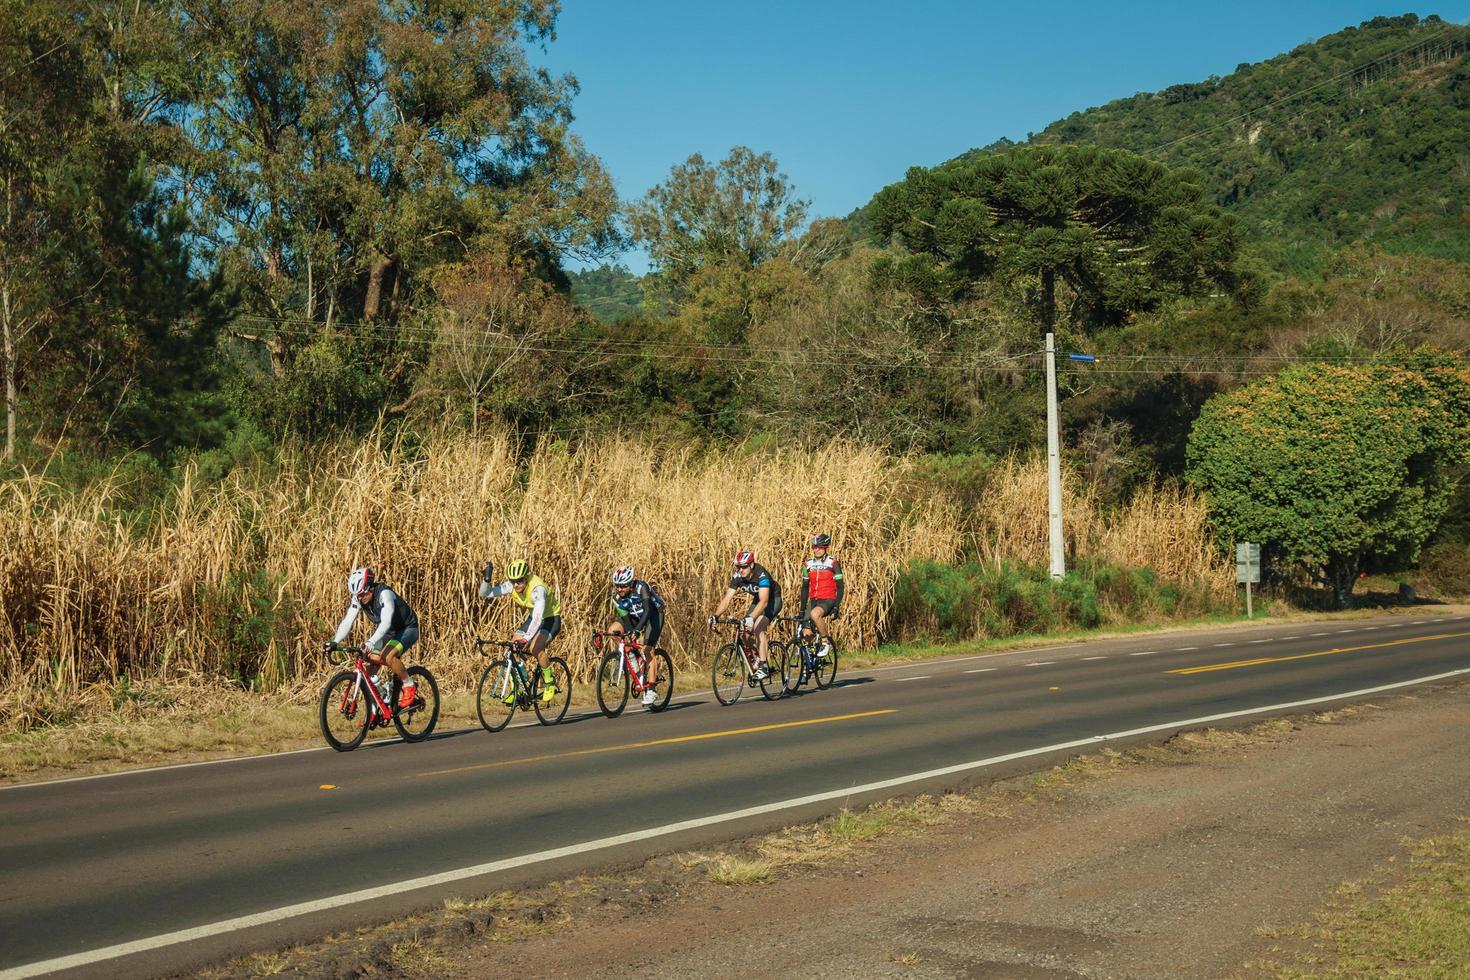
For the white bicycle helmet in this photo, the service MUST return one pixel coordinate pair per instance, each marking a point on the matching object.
(623, 576)
(360, 580)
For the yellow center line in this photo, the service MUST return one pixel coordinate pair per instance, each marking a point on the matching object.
(1206, 668)
(658, 741)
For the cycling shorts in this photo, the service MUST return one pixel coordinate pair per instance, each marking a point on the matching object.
(826, 605)
(550, 625)
(652, 629)
(402, 640)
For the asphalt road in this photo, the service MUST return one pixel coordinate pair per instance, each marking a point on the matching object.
(163, 870)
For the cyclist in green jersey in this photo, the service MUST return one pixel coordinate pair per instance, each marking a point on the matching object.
(543, 620)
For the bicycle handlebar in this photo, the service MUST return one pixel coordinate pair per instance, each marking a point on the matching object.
(482, 643)
(340, 655)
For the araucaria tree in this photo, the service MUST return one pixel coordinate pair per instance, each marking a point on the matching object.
(1093, 233)
(1335, 468)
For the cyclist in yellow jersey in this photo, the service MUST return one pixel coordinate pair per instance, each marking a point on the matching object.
(544, 620)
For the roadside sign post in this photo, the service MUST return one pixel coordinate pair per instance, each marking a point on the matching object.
(1247, 570)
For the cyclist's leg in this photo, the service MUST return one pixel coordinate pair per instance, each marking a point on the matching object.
(651, 633)
(759, 628)
(550, 626)
(817, 613)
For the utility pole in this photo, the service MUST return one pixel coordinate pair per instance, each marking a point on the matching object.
(1053, 462)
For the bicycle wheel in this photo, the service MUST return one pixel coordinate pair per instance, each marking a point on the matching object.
(415, 723)
(551, 712)
(664, 686)
(345, 712)
(612, 684)
(794, 665)
(825, 671)
(497, 683)
(727, 675)
(773, 685)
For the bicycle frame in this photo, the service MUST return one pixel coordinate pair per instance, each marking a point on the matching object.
(364, 667)
(627, 648)
(745, 641)
(799, 629)
(510, 650)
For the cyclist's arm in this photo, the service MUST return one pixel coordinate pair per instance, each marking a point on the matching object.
(841, 585)
(375, 642)
(647, 596)
(345, 626)
(538, 611)
(488, 591)
(806, 587)
(724, 603)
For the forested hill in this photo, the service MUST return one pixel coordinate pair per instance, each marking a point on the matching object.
(1363, 134)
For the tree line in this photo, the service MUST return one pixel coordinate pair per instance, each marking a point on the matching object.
(232, 226)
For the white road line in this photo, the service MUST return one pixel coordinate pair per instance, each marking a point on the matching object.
(1143, 653)
(1369, 629)
(1041, 663)
(1186, 648)
(1417, 622)
(1224, 644)
(1347, 631)
(1094, 658)
(1319, 634)
(921, 677)
(980, 670)
(1266, 640)
(285, 912)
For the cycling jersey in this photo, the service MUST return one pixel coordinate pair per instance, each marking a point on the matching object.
(823, 580)
(639, 604)
(536, 597)
(759, 579)
(386, 610)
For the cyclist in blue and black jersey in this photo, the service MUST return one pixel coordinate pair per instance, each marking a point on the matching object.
(397, 627)
(640, 612)
(765, 597)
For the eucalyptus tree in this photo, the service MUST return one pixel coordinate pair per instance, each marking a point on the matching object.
(342, 149)
(735, 214)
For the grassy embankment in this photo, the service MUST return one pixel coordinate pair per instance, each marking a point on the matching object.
(198, 617)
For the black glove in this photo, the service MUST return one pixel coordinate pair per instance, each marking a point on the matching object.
(329, 646)
(488, 573)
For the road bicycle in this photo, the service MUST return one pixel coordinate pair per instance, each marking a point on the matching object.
(513, 680)
(621, 669)
(352, 702)
(808, 661)
(734, 667)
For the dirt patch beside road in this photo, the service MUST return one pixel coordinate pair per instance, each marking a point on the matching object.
(1178, 860)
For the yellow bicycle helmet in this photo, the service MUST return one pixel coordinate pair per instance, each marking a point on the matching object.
(519, 569)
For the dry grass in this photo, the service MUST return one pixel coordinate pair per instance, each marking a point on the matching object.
(1163, 528)
(732, 870)
(94, 604)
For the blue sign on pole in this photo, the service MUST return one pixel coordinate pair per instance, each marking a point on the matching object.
(1084, 358)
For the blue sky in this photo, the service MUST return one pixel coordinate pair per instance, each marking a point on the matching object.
(848, 95)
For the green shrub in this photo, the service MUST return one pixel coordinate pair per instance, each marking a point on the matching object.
(252, 623)
(937, 601)
(1445, 568)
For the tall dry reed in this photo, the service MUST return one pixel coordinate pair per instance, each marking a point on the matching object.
(247, 578)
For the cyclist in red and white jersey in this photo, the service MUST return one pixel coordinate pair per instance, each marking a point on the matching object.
(821, 591)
